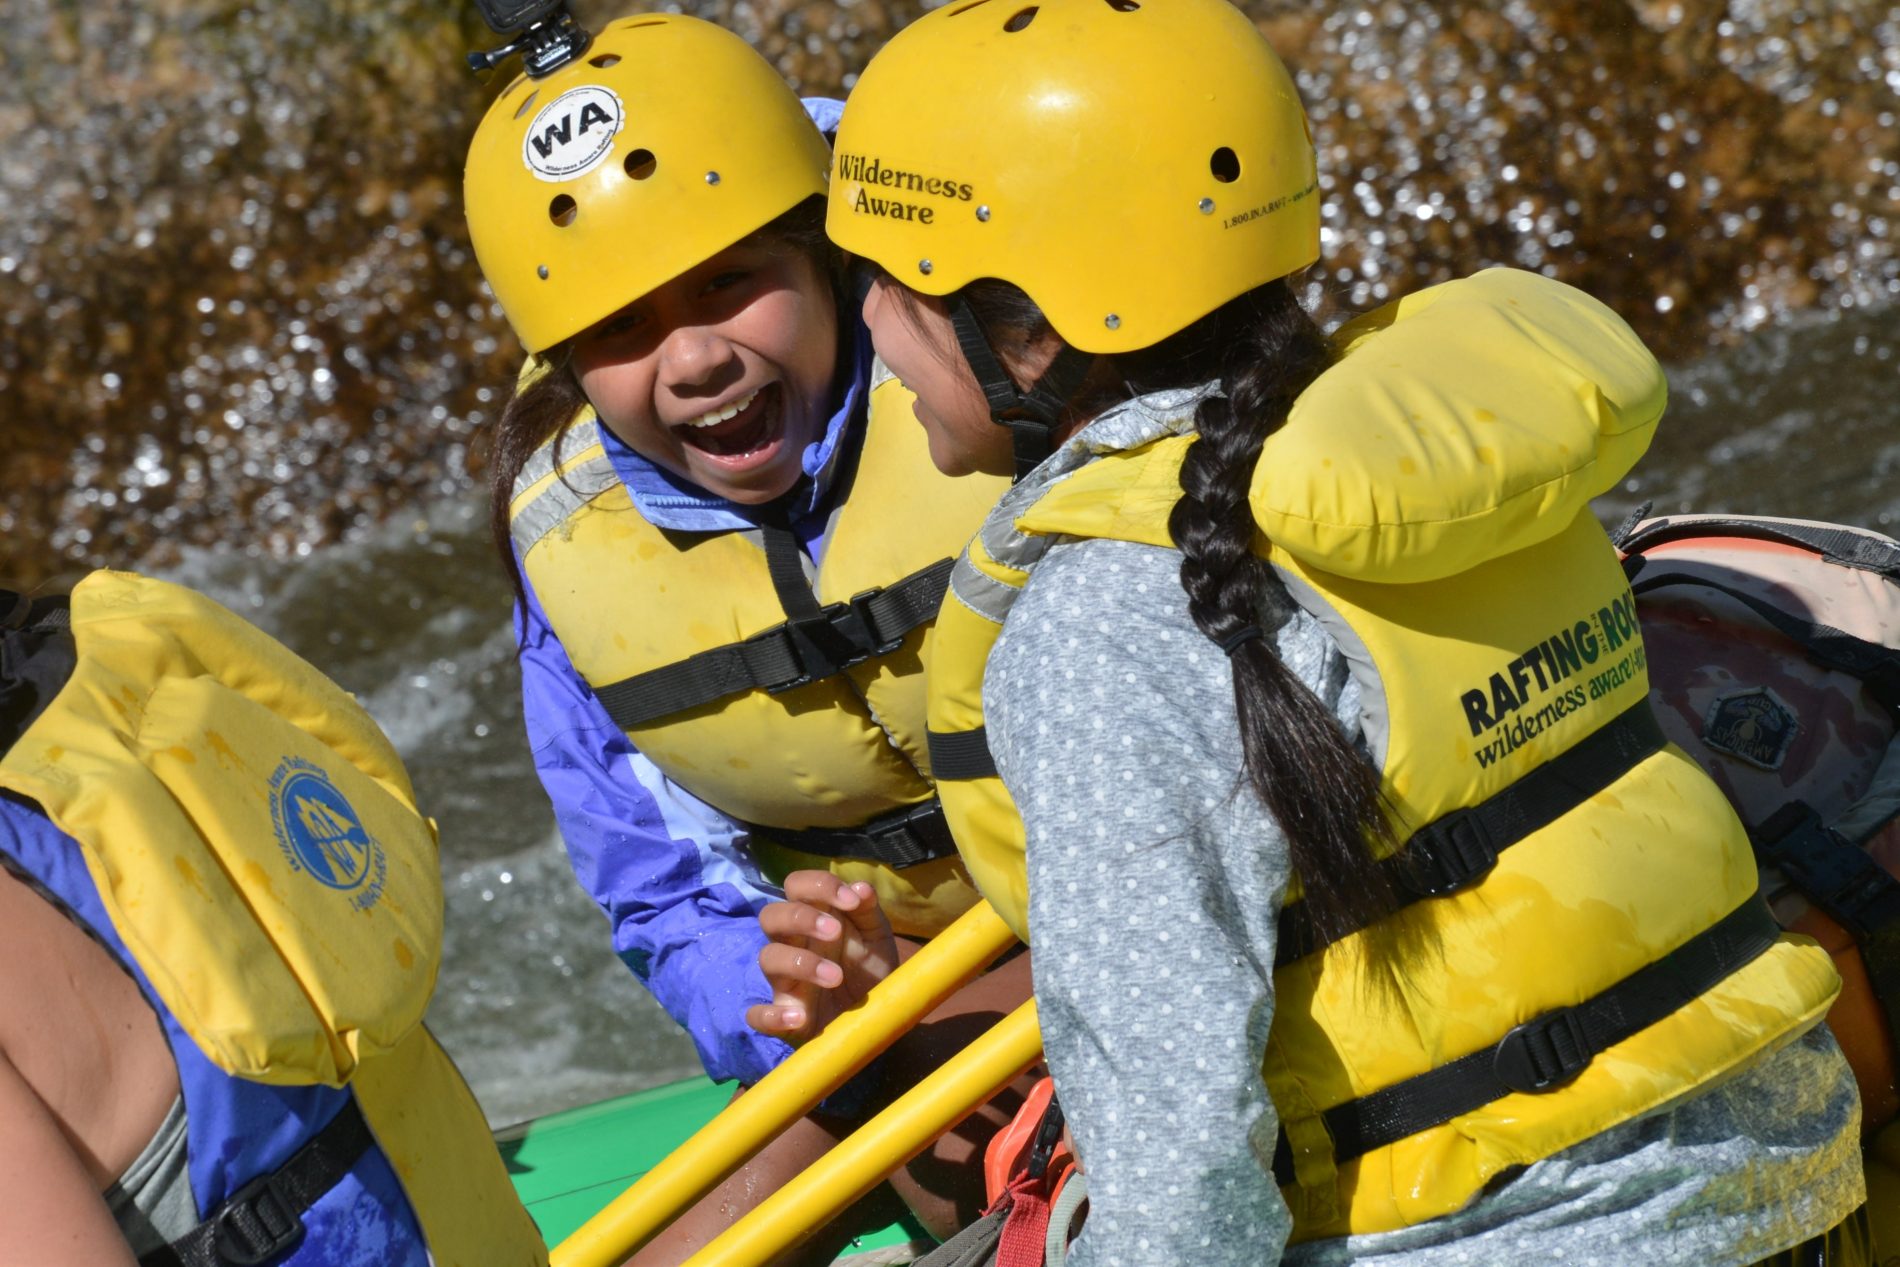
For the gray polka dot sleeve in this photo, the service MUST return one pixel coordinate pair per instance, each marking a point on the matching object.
(1154, 878)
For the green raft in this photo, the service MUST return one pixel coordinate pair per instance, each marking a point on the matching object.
(567, 1166)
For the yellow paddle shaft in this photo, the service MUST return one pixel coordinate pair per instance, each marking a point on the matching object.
(786, 1094)
(880, 1146)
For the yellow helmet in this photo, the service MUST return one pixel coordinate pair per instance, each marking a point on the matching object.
(666, 142)
(1131, 164)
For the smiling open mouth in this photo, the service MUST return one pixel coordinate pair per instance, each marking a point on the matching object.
(745, 427)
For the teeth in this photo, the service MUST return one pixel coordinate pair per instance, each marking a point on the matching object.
(714, 417)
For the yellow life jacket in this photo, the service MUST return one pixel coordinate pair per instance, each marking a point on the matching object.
(256, 843)
(791, 703)
(1426, 501)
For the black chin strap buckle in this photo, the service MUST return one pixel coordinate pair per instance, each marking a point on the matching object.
(1031, 442)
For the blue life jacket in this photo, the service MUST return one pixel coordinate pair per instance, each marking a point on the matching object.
(237, 1130)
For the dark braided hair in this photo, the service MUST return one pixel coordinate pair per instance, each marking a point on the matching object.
(1322, 790)
(1264, 350)
(549, 406)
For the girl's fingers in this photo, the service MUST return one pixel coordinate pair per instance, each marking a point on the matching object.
(796, 921)
(864, 914)
(779, 1020)
(784, 964)
(821, 888)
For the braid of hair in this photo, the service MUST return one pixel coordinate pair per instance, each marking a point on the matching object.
(1323, 792)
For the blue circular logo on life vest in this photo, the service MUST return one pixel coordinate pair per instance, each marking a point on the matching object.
(317, 828)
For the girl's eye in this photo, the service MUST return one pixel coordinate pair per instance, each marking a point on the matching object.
(622, 323)
(726, 280)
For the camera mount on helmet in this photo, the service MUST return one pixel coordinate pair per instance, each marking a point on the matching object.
(548, 37)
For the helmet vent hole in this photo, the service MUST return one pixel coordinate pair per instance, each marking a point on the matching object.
(604, 60)
(563, 210)
(640, 164)
(527, 103)
(965, 8)
(1020, 19)
(1123, 6)
(1225, 165)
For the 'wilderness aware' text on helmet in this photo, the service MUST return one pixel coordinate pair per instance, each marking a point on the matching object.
(1131, 164)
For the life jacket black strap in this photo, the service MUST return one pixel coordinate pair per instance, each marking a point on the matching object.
(1452, 853)
(808, 647)
(960, 754)
(37, 656)
(1876, 665)
(264, 1217)
(1846, 884)
(901, 838)
(1549, 1051)
(1863, 551)
(785, 564)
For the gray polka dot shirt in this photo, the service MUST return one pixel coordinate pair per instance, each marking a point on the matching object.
(1154, 879)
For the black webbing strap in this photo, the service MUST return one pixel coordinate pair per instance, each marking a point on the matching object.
(1844, 882)
(1031, 416)
(1858, 550)
(1550, 1050)
(265, 1216)
(901, 838)
(1620, 535)
(37, 657)
(960, 754)
(1452, 853)
(785, 564)
(23, 611)
(1876, 665)
(816, 643)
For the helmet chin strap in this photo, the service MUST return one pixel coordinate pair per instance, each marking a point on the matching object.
(1031, 416)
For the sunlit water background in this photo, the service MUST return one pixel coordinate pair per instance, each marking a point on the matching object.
(245, 347)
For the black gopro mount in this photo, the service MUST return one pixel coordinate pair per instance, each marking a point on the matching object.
(545, 34)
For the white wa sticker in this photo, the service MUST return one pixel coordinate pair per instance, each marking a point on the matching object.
(573, 132)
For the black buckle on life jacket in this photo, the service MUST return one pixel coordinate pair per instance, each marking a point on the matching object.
(1048, 1134)
(1544, 1053)
(918, 834)
(1449, 855)
(255, 1224)
(839, 636)
(1829, 870)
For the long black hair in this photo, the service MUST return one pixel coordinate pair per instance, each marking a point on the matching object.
(548, 407)
(1264, 350)
(1323, 791)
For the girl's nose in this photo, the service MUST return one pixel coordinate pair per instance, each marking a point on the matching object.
(692, 356)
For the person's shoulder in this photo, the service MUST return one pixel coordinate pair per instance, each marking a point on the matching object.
(824, 113)
(1106, 589)
(1100, 620)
